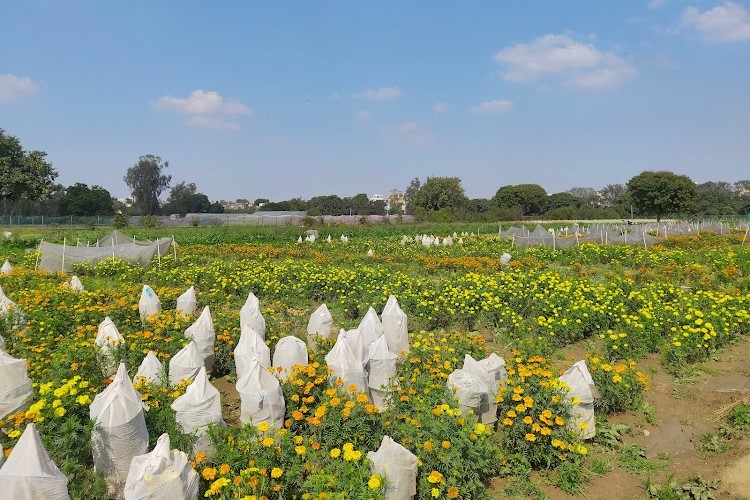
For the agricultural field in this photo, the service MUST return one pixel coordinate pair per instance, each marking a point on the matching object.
(662, 330)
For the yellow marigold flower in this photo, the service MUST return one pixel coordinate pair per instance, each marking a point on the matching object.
(435, 493)
(445, 444)
(427, 445)
(374, 482)
(276, 472)
(435, 477)
(224, 469)
(581, 450)
(335, 452)
(559, 420)
(545, 431)
(83, 400)
(528, 420)
(617, 379)
(216, 486)
(263, 427)
(300, 450)
(209, 473)
(298, 439)
(59, 412)
(362, 398)
(267, 442)
(452, 492)
(507, 421)
(200, 457)
(530, 437)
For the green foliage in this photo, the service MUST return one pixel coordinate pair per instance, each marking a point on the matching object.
(24, 175)
(633, 459)
(661, 193)
(79, 199)
(147, 181)
(440, 192)
(531, 199)
(120, 221)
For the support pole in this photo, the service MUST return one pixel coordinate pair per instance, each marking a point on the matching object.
(38, 252)
(174, 247)
(62, 266)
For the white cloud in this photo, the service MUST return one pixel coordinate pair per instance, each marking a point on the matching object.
(12, 87)
(363, 116)
(207, 109)
(576, 63)
(379, 94)
(729, 22)
(491, 107)
(411, 132)
(439, 108)
(656, 4)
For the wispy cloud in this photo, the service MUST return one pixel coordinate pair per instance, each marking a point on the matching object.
(575, 63)
(363, 116)
(13, 87)
(656, 4)
(491, 107)
(439, 108)
(729, 22)
(207, 109)
(411, 132)
(379, 94)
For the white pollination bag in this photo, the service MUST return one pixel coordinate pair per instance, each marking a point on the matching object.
(198, 408)
(120, 432)
(495, 365)
(163, 474)
(2, 342)
(149, 303)
(2, 455)
(346, 364)
(250, 314)
(6, 269)
(381, 368)
(6, 305)
(29, 472)
(186, 303)
(470, 391)
(398, 465)
(395, 327)
(370, 326)
(261, 397)
(15, 385)
(290, 351)
(250, 346)
(108, 338)
(75, 284)
(185, 364)
(203, 334)
(151, 370)
(582, 388)
(319, 326)
(488, 406)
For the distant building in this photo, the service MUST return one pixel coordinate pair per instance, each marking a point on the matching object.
(377, 197)
(396, 198)
(233, 206)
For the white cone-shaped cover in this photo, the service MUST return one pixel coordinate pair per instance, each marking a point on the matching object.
(120, 432)
(370, 326)
(163, 474)
(381, 365)
(6, 305)
(151, 369)
(186, 303)
(261, 395)
(299, 239)
(469, 390)
(357, 343)
(185, 364)
(488, 407)
(75, 284)
(395, 327)
(320, 325)
(15, 385)
(149, 303)
(29, 472)
(250, 314)
(199, 407)
(346, 364)
(495, 365)
(108, 336)
(2, 342)
(290, 351)
(6, 269)
(203, 334)
(399, 465)
(250, 345)
(578, 378)
(2, 455)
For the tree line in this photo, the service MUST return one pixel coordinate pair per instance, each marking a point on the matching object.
(27, 185)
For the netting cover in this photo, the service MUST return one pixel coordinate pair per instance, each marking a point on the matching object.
(29, 472)
(582, 387)
(149, 303)
(320, 325)
(290, 351)
(61, 258)
(381, 367)
(198, 408)
(163, 474)
(187, 303)
(346, 364)
(120, 432)
(395, 327)
(249, 346)
(250, 315)
(398, 465)
(151, 370)
(203, 334)
(6, 269)
(488, 407)
(75, 284)
(185, 364)
(261, 397)
(470, 391)
(15, 384)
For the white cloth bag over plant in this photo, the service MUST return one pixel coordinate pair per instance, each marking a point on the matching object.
(6, 305)
(108, 338)
(185, 364)
(163, 474)
(261, 397)
(488, 406)
(250, 346)
(186, 303)
(471, 391)
(29, 472)
(582, 388)
(381, 368)
(319, 326)
(151, 370)
(120, 432)
(398, 465)
(199, 407)
(370, 326)
(346, 364)
(203, 334)
(149, 303)
(6, 269)
(15, 385)
(75, 284)
(2, 342)
(250, 314)
(2, 455)
(495, 365)
(395, 327)
(290, 351)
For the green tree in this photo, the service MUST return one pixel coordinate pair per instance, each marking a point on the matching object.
(79, 199)
(562, 200)
(531, 199)
(410, 195)
(24, 176)
(611, 194)
(147, 181)
(661, 193)
(717, 198)
(438, 193)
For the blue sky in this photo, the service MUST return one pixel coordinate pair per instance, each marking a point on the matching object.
(285, 99)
